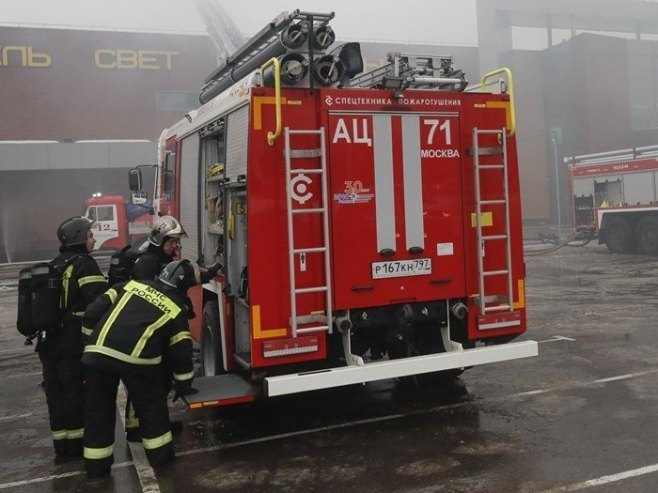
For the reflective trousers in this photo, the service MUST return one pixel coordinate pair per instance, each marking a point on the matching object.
(132, 418)
(150, 401)
(63, 377)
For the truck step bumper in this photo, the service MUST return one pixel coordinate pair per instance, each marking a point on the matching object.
(381, 370)
(221, 390)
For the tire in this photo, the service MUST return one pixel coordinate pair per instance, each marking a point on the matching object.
(211, 342)
(646, 235)
(619, 236)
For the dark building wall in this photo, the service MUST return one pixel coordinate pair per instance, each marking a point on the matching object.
(79, 85)
(642, 60)
(531, 133)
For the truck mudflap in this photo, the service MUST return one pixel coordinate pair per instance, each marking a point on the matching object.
(221, 390)
(382, 370)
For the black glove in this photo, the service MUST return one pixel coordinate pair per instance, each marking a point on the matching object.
(182, 391)
(210, 272)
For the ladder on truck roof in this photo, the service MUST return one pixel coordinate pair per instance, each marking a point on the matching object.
(407, 71)
(498, 301)
(262, 46)
(323, 249)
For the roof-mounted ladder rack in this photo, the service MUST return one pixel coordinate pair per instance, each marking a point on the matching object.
(260, 48)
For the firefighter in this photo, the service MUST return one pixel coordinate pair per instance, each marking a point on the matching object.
(60, 350)
(163, 247)
(137, 324)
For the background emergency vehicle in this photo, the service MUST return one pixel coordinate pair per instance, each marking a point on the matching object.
(615, 194)
(118, 222)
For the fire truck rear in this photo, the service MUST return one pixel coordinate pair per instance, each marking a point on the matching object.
(615, 194)
(369, 226)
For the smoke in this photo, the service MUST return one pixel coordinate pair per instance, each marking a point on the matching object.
(5, 233)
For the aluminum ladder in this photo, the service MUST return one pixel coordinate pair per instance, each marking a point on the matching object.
(495, 302)
(323, 248)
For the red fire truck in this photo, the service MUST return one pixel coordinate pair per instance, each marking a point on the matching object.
(615, 193)
(369, 226)
(116, 223)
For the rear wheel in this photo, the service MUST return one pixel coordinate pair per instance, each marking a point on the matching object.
(619, 236)
(647, 236)
(211, 343)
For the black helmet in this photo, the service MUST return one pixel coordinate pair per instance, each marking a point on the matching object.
(180, 274)
(73, 231)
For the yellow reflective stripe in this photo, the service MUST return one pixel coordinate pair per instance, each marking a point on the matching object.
(111, 319)
(154, 297)
(132, 421)
(179, 337)
(90, 279)
(148, 333)
(65, 286)
(112, 353)
(74, 434)
(98, 453)
(59, 434)
(87, 331)
(183, 376)
(157, 442)
(112, 294)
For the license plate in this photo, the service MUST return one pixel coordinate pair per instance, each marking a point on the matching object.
(402, 268)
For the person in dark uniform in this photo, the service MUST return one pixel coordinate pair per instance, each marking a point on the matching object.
(61, 350)
(163, 248)
(136, 324)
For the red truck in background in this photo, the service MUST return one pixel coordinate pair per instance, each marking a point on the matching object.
(616, 194)
(118, 223)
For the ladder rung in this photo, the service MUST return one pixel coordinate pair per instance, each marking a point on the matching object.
(491, 166)
(491, 202)
(308, 211)
(497, 308)
(319, 328)
(310, 250)
(318, 289)
(306, 171)
(305, 153)
(487, 273)
(495, 237)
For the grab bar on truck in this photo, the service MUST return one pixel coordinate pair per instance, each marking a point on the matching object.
(511, 115)
(272, 136)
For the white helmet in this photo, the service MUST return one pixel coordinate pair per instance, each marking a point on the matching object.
(166, 226)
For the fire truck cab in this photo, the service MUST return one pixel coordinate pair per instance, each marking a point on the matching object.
(369, 226)
(117, 223)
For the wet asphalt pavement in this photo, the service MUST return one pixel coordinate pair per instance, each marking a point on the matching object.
(580, 416)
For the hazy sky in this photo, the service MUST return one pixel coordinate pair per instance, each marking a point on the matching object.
(435, 21)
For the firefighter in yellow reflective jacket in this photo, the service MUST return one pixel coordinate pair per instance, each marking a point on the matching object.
(60, 350)
(135, 325)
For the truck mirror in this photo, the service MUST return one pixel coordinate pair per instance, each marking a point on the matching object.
(139, 198)
(135, 180)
